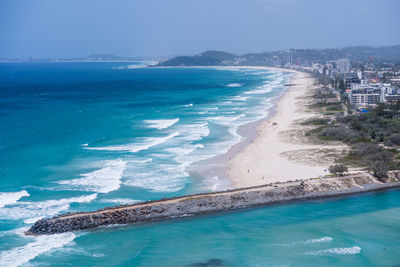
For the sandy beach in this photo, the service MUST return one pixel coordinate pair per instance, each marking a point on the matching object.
(271, 156)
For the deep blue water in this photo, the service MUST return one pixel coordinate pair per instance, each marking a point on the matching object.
(82, 136)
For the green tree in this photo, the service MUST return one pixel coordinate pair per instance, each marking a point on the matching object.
(338, 169)
(380, 169)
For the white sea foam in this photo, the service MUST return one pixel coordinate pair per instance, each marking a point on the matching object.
(7, 198)
(104, 180)
(260, 90)
(30, 212)
(18, 231)
(193, 131)
(136, 147)
(337, 251)
(183, 151)
(238, 108)
(240, 98)
(142, 161)
(319, 240)
(188, 105)
(161, 124)
(161, 178)
(234, 85)
(225, 120)
(41, 244)
(276, 80)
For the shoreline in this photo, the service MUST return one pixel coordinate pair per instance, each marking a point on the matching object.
(261, 159)
(218, 166)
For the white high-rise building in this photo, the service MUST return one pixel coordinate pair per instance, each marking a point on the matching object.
(343, 65)
(359, 74)
(287, 57)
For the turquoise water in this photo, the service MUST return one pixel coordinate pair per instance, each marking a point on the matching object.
(82, 136)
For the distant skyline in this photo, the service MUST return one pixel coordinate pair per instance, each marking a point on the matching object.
(73, 28)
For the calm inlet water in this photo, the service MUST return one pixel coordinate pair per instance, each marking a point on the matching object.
(82, 136)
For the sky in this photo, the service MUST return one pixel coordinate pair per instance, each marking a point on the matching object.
(76, 28)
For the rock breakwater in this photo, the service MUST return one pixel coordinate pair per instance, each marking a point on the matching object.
(214, 202)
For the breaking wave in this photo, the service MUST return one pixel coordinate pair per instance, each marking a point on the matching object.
(42, 244)
(147, 143)
(337, 251)
(30, 212)
(7, 198)
(319, 240)
(161, 124)
(104, 180)
(234, 85)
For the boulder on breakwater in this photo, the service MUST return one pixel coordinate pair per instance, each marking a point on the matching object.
(214, 202)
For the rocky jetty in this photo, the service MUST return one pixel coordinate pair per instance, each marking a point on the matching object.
(214, 202)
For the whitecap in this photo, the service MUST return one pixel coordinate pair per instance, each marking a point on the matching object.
(147, 143)
(30, 212)
(337, 251)
(319, 240)
(261, 90)
(161, 124)
(234, 85)
(7, 198)
(104, 180)
(142, 161)
(42, 244)
(240, 98)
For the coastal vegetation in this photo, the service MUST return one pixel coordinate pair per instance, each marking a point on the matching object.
(338, 169)
(373, 137)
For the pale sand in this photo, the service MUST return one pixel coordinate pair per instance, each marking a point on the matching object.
(265, 159)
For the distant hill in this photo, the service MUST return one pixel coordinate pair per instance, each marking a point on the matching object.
(389, 54)
(208, 58)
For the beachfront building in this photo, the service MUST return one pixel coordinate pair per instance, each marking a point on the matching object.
(366, 94)
(392, 98)
(317, 68)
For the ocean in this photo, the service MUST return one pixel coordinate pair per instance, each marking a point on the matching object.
(83, 136)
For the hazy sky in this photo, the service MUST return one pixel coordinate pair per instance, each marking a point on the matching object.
(170, 27)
